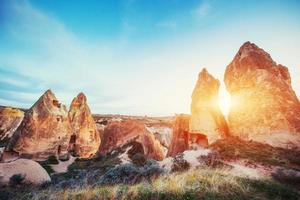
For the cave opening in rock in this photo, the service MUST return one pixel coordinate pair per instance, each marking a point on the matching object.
(59, 150)
(73, 139)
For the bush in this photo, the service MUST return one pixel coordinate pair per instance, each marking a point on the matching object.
(152, 171)
(127, 173)
(179, 164)
(291, 177)
(138, 159)
(16, 179)
(131, 174)
(52, 160)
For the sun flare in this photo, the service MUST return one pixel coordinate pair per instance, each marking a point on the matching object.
(224, 101)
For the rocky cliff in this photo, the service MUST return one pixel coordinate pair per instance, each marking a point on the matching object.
(207, 118)
(85, 139)
(118, 134)
(10, 119)
(44, 131)
(180, 136)
(264, 106)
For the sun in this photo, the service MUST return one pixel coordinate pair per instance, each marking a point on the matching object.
(224, 101)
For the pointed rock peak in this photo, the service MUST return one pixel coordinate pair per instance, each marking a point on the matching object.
(49, 100)
(79, 100)
(49, 94)
(204, 74)
(249, 45)
(252, 51)
(81, 97)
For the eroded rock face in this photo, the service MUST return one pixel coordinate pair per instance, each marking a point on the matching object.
(180, 136)
(44, 131)
(264, 106)
(118, 134)
(10, 119)
(207, 118)
(85, 139)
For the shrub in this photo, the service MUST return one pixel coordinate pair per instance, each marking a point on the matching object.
(291, 177)
(16, 179)
(138, 159)
(127, 173)
(152, 171)
(131, 174)
(52, 160)
(179, 164)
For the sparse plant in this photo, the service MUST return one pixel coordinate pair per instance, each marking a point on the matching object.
(53, 160)
(16, 179)
(127, 173)
(180, 164)
(138, 159)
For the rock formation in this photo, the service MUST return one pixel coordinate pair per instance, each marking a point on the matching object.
(264, 106)
(44, 131)
(207, 118)
(85, 139)
(10, 119)
(118, 134)
(180, 137)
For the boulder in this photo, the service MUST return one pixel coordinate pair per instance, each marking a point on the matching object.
(264, 106)
(206, 116)
(45, 130)
(32, 172)
(85, 139)
(120, 133)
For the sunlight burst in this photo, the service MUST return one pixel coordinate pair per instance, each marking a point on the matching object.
(224, 100)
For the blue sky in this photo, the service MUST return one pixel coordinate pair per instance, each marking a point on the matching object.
(135, 57)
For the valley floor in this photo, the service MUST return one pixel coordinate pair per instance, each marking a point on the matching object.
(235, 169)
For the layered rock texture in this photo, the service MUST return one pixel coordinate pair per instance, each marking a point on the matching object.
(118, 134)
(85, 140)
(44, 131)
(264, 106)
(10, 119)
(207, 118)
(180, 136)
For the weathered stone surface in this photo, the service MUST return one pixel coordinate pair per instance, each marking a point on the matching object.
(10, 119)
(118, 134)
(85, 139)
(207, 118)
(32, 171)
(180, 136)
(264, 106)
(44, 131)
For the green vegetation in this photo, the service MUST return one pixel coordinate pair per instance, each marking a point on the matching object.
(104, 177)
(16, 179)
(52, 160)
(234, 148)
(4, 142)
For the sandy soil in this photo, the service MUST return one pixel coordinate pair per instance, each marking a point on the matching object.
(62, 166)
